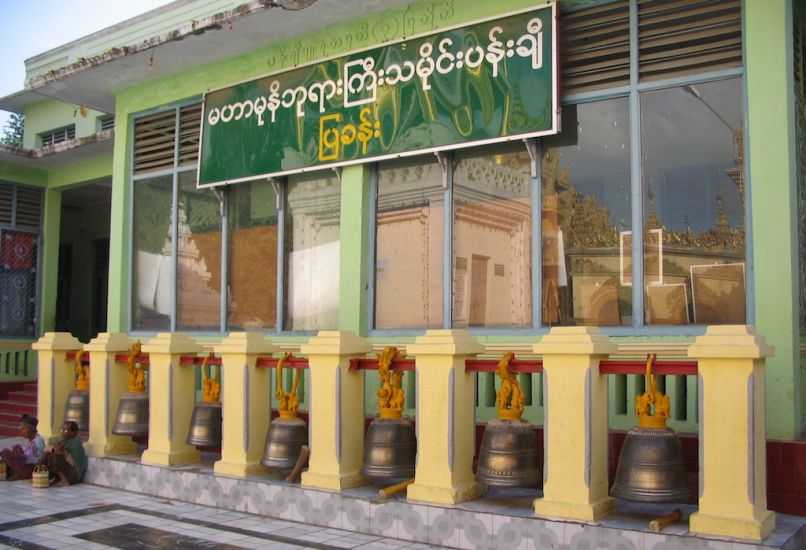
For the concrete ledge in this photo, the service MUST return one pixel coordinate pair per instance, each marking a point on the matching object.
(499, 519)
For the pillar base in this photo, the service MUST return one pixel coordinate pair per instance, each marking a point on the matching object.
(162, 458)
(742, 528)
(238, 469)
(333, 481)
(110, 449)
(444, 495)
(574, 510)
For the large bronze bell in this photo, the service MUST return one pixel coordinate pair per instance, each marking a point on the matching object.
(650, 466)
(77, 409)
(132, 416)
(288, 433)
(284, 441)
(390, 449)
(205, 425)
(508, 455)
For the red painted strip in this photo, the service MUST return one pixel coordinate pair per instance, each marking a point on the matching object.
(367, 363)
(516, 365)
(291, 362)
(686, 368)
(122, 358)
(186, 360)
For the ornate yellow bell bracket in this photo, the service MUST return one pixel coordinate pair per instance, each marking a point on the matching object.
(137, 371)
(652, 398)
(391, 395)
(509, 397)
(82, 373)
(288, 401)
(211, 387)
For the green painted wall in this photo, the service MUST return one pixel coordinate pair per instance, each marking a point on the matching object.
(771, 139)
(23, 174)
(354, 223)
(50, 114)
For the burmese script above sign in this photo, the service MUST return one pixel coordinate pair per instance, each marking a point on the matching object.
(489, 81)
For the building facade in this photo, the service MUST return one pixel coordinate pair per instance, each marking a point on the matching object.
(671, 197)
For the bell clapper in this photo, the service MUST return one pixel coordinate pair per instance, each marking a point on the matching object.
(304, 454)
(386, 492)
(657, 524)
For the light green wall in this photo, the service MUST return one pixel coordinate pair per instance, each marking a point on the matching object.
(771, 162)
(22, 174)
(769, 145)
(50, 114)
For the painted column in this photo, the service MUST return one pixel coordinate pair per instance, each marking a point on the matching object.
(733, 460)
(336, 421)
(108, 382)
(56, 378)
(172, 396)
(575, 428)
(245, 391)
(445, 417)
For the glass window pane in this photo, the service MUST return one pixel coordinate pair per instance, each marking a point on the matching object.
(152, 267)
(198, 300)
(252, 256)
(492, 230)
(409, 244)
(586, 217)
(694, 217)
(311, 252)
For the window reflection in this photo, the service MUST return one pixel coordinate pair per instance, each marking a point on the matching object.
(311, 252)
(693, 176)
(586, 215)
(152, 268)
(252, 256)
(409, 244)
(492, 230)
(198, 281)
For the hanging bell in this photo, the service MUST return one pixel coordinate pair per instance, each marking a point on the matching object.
(132, 416)
(77, 409)
(288, 433)
(390, 449)
(508, 455)
(284, 441)
(650, 466)
(205, 425)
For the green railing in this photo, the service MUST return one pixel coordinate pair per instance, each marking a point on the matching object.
(17, 362)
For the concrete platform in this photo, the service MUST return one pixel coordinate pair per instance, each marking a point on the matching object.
(500, 519)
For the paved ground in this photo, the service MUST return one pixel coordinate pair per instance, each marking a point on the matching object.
(90, 517)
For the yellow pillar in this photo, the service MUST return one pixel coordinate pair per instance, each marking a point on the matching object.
(56, 378)
(733, 459)
(172, 396)
(245, 403)
(108, 382)
(445, 417)
(575, 427)
(336, 410)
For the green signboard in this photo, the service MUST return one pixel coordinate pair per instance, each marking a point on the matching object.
(489, 81)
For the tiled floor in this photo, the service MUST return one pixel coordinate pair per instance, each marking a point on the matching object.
(89, 517)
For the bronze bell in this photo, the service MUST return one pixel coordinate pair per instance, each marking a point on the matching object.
(650, 466)
(288, 433)
(508, 455)
(284, 441)
(205, 425)
(390, 447)
(132, 416)
(77, 409)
